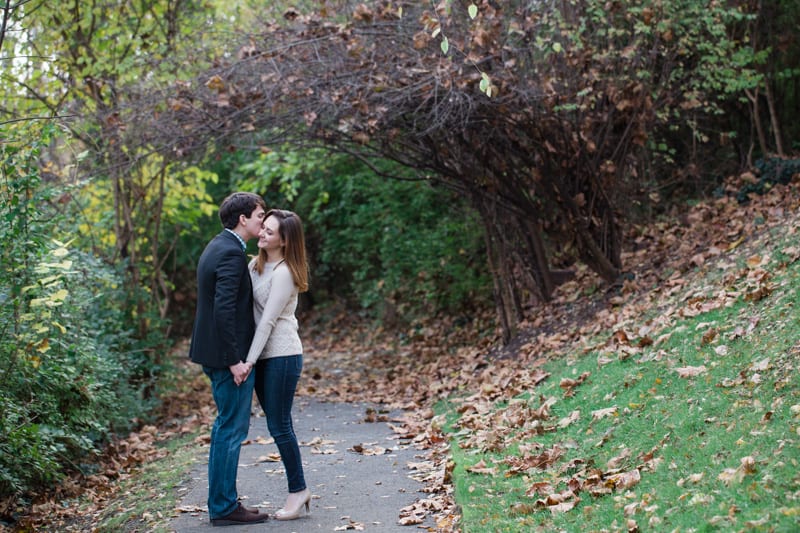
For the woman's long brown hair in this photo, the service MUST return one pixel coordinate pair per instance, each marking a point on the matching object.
(290, 229)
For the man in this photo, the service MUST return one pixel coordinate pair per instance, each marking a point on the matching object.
(223, 329)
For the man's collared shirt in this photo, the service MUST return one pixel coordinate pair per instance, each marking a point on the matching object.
(241, 241)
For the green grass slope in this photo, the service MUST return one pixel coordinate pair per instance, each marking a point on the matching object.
(676, 409)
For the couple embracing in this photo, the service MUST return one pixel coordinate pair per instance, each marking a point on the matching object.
(245, 337)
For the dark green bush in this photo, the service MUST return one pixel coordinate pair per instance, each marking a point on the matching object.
(771, 171)
(66, 352)
(398, 248)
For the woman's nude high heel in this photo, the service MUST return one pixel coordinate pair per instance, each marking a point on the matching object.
(303, 498)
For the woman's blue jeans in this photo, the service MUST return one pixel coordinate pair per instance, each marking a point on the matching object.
(276, 382)
(229, 430)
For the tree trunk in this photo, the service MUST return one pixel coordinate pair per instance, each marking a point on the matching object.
(497, 283)
(773, 116)
(762, 138)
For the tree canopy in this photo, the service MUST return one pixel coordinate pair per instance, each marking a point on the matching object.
(554, 118)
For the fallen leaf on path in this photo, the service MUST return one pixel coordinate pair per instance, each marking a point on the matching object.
(271, 458)
(367, 450)
(191, 509)
(258, 440)
(350, 525)
(319, 441)
(323, 451)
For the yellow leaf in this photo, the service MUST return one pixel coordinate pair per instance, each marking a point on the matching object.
(43, 347)
(60, 295)
(215, 83)
(754, 261)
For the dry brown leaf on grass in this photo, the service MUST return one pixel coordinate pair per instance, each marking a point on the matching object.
(559, 503)
(537, 376)
(690, 371)
(615, 462)
(623, 480)
(539, 488)
(730, 476)
(569, 419)
(522, 464)
(567, 383)
(482, 468)
(599, 414)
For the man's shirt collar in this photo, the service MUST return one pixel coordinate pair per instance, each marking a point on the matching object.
(241, 241)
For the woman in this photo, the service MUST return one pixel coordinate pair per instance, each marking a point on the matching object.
(279, 273)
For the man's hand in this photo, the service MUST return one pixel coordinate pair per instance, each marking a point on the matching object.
(240, 372)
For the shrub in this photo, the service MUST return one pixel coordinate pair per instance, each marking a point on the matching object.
(66, 353)
(395, 247)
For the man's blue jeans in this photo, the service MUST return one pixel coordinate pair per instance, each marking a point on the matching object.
(229, 430)
(276, 381)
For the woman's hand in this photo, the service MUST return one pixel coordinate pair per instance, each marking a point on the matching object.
(240, 371)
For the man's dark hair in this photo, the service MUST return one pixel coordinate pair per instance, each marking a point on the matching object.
(237, 204)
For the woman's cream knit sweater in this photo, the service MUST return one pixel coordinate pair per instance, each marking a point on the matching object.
(274, 304)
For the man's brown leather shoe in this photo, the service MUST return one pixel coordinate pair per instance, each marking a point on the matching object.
(240, 515)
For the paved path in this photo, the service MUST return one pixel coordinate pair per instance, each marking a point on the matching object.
(350, 491)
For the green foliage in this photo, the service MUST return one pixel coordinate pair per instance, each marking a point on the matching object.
(93, 65)
(81, 51)
(400, 243)
(396, 247)
(66, 352)
(681, 54)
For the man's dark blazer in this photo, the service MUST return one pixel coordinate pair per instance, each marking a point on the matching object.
(224, 324)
